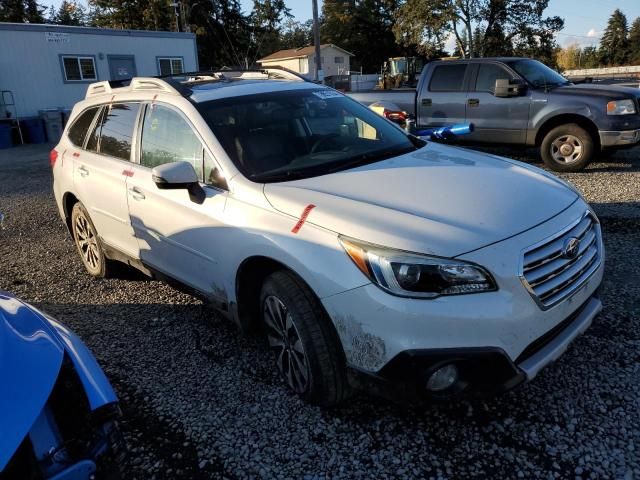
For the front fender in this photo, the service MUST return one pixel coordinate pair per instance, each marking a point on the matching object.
(96, 386)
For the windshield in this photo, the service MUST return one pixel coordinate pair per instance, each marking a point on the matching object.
(538, 74)
(301, 133)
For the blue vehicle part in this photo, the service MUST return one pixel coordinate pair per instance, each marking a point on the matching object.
(30, 360)
(446, 133)
(32, 349)
(96, 386)
(82, 470)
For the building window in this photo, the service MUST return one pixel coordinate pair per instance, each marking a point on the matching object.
(339, 60)
(321, 60)
(170, 65)
(79, 69)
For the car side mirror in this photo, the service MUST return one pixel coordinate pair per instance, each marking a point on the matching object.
(176, 176)
(505, 87)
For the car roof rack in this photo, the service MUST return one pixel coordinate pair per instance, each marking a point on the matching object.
(182, 82)
(131, 85)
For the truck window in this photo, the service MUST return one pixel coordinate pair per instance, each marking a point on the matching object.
(448, 78)
(488, 73)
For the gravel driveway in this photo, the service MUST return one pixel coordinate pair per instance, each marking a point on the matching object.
(201, 401)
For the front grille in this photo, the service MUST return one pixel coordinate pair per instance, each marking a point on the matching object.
(547, 272)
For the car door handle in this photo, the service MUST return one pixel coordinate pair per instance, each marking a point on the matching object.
(83, 171)
(473, 102)
(136, 193)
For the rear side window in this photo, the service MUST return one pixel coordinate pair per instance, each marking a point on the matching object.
(167, 137)
(488, 73)
(448, 78)
(116, 130)
(78, 131)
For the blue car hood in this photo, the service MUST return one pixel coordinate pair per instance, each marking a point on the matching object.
(31, 355)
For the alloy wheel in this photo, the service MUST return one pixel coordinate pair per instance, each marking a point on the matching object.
(87, 242)
(285, 341)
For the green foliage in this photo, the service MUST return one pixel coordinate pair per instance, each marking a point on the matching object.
(362, 27)
(297, 34)
(70, 12)
(634, 42)
(21, 11)
(267, 20)
(481, 27)
(614, 42)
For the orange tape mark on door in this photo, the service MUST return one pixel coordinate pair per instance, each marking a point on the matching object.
(303, 218)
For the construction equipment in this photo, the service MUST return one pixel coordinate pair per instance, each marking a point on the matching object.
(399, 72)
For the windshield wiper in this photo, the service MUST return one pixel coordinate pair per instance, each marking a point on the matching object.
(367, 158)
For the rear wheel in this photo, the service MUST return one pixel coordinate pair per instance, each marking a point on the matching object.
(567, 148)
(307, 351)
(87, 242)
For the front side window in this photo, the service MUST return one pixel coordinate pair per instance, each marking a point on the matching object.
(339, 60)
(285, 135)
(488, 73)
(537, 73)
(167, 137)
(116, 126)
(79, 69)
(170, 65)
(448, 78)
(78, 131)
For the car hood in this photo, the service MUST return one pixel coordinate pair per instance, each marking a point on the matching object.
(613, 92)
(439, 200)
(30, 359)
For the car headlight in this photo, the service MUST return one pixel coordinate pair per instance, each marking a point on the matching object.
(413, 275)
(621, 107)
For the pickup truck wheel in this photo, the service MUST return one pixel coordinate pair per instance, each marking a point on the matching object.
(87, 242)
(307, 350)
(567, 148)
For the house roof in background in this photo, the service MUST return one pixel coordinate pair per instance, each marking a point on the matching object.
(299, 52)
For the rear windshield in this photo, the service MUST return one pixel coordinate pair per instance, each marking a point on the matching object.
(301, 133)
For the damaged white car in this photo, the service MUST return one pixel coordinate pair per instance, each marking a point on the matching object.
(366, 256)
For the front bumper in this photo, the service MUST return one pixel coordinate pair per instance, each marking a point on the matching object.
(610, 138)
(482, 370)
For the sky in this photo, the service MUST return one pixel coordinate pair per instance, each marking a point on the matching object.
(584, 19)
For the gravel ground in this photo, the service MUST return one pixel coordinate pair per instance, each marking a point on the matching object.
(201, 401)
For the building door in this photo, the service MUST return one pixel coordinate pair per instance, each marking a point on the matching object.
(121, 67)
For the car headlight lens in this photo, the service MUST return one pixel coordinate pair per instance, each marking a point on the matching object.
(621, 107)
(413, 275)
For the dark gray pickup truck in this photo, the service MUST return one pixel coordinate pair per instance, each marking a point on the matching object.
(522, 101)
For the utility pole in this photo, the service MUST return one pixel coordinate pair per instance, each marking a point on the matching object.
(316, 40)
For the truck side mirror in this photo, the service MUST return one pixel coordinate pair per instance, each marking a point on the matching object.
(509, 88)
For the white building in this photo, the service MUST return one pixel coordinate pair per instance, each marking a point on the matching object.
(333, 60)
(50, 66)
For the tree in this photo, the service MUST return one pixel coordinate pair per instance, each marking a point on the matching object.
(69, 13)
(296, 34)
(267, 20)
(568, 58)
(614, 43)
(634, 42)
(502, 27)
(362, 27)
(21, 11)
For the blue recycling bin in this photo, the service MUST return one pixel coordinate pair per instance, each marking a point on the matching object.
(33, 130)
(5, 135)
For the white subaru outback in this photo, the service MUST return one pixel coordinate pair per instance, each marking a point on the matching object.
(366, 256)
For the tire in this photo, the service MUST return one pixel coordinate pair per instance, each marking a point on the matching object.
(302, 336)
(88, 244)
(567, 148)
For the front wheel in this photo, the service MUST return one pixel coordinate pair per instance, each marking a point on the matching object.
(307, 350)
(567, 148)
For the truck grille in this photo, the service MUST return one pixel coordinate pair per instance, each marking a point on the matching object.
(551, 274)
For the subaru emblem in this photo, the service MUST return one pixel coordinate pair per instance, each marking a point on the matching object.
(570, 248)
